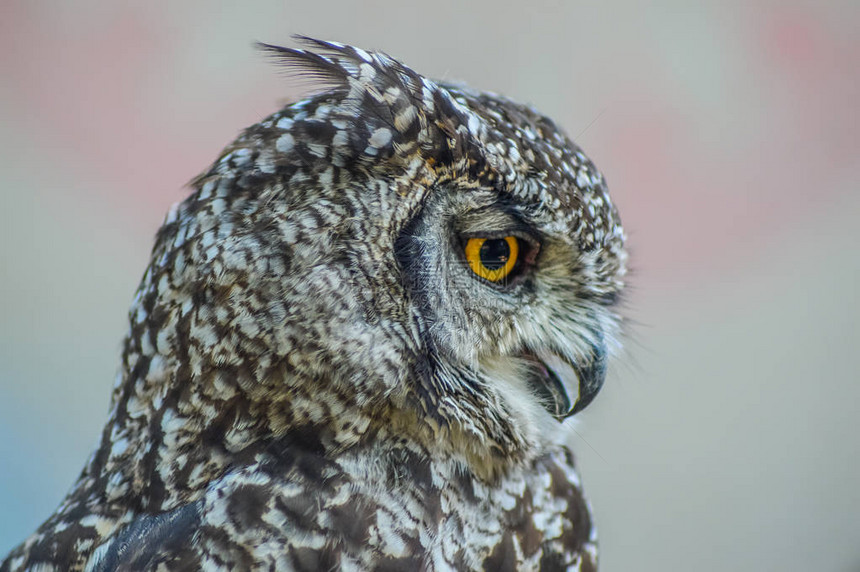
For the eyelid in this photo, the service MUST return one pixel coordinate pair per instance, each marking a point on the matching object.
(530, 239)
(498, 221)
(498, 217)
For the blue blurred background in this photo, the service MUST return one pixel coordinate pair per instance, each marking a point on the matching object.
(728, 436)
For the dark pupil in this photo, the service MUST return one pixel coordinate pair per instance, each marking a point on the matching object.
(495, 253)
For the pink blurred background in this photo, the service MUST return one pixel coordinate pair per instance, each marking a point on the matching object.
(727, 438)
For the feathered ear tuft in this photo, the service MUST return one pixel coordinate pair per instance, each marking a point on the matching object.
(318, 68)
(393, 110)
(334, 64)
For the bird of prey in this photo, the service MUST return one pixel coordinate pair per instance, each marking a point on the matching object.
(357, 342)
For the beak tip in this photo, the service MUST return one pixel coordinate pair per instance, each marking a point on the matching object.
(591, 374)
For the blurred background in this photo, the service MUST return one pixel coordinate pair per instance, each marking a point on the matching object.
(726, 439)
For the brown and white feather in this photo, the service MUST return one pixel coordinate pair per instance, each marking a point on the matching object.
(312, 379)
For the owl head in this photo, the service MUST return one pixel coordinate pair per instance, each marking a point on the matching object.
(391, 255)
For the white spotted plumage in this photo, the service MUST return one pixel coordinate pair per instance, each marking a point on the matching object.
(314, 378)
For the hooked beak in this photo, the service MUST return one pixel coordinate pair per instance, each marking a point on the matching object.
(567, 387)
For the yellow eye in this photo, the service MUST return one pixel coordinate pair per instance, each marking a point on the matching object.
(492, 258)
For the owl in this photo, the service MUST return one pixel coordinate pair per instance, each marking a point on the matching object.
(357, 342)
